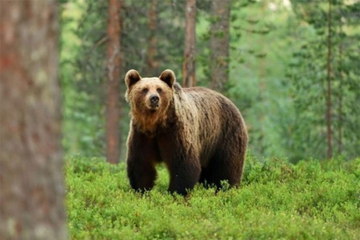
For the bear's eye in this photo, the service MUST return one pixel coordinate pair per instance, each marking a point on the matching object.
(145, 90)
(159, 90)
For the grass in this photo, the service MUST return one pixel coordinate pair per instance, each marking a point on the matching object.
(277, 200)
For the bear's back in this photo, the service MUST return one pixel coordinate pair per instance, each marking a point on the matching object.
(217, 118)
(211, 100)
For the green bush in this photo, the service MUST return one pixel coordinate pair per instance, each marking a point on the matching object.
(309, 200)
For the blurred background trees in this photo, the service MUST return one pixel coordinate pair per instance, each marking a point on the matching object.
(292, 68)
(325, 80)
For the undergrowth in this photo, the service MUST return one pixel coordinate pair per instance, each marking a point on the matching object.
(309, 200)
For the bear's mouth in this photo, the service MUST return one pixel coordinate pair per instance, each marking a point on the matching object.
(152, 111)
(153, 107)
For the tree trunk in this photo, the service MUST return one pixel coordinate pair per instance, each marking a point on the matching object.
(262, 85)
(31, 172)
(151, 63)
(113, 110)
(219, 44)
(328, 95)
(189, 77)
(340, 130)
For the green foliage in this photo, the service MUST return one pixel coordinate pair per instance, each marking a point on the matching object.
(277, 72)
(261, 45)
(309, 200)
(83, 122)
(308, 76)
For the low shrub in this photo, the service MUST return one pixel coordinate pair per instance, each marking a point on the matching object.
(309, 200)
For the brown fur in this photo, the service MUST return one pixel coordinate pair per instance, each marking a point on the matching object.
(198, 133)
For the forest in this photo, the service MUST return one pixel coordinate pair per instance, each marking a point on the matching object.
(292, 67)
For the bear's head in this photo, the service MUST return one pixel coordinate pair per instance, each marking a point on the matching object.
(149, 98)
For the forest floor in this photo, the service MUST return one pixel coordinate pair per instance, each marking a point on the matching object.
(307, 200)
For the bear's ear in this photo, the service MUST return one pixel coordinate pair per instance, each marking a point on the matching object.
(132, 77)
(168, 77)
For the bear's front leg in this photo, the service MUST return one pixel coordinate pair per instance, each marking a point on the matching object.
(141, 174)
(181, 160)
(184, 174)
(141, 156)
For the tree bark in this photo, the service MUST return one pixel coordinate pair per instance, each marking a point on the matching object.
(31, 172)
(113, 110)
(328, 95)
(219, 44)
(262, 85)
(151, 63)
(340, 130)
(189, 74)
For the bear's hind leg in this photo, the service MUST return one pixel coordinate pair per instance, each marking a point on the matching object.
(204, 176)
(224, 166)
(183, 177)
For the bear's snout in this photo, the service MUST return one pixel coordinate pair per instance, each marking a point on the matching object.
(154, 101)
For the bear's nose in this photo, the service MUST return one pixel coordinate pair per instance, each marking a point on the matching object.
(154, 99)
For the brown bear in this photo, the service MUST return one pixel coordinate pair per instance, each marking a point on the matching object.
(198, 133)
